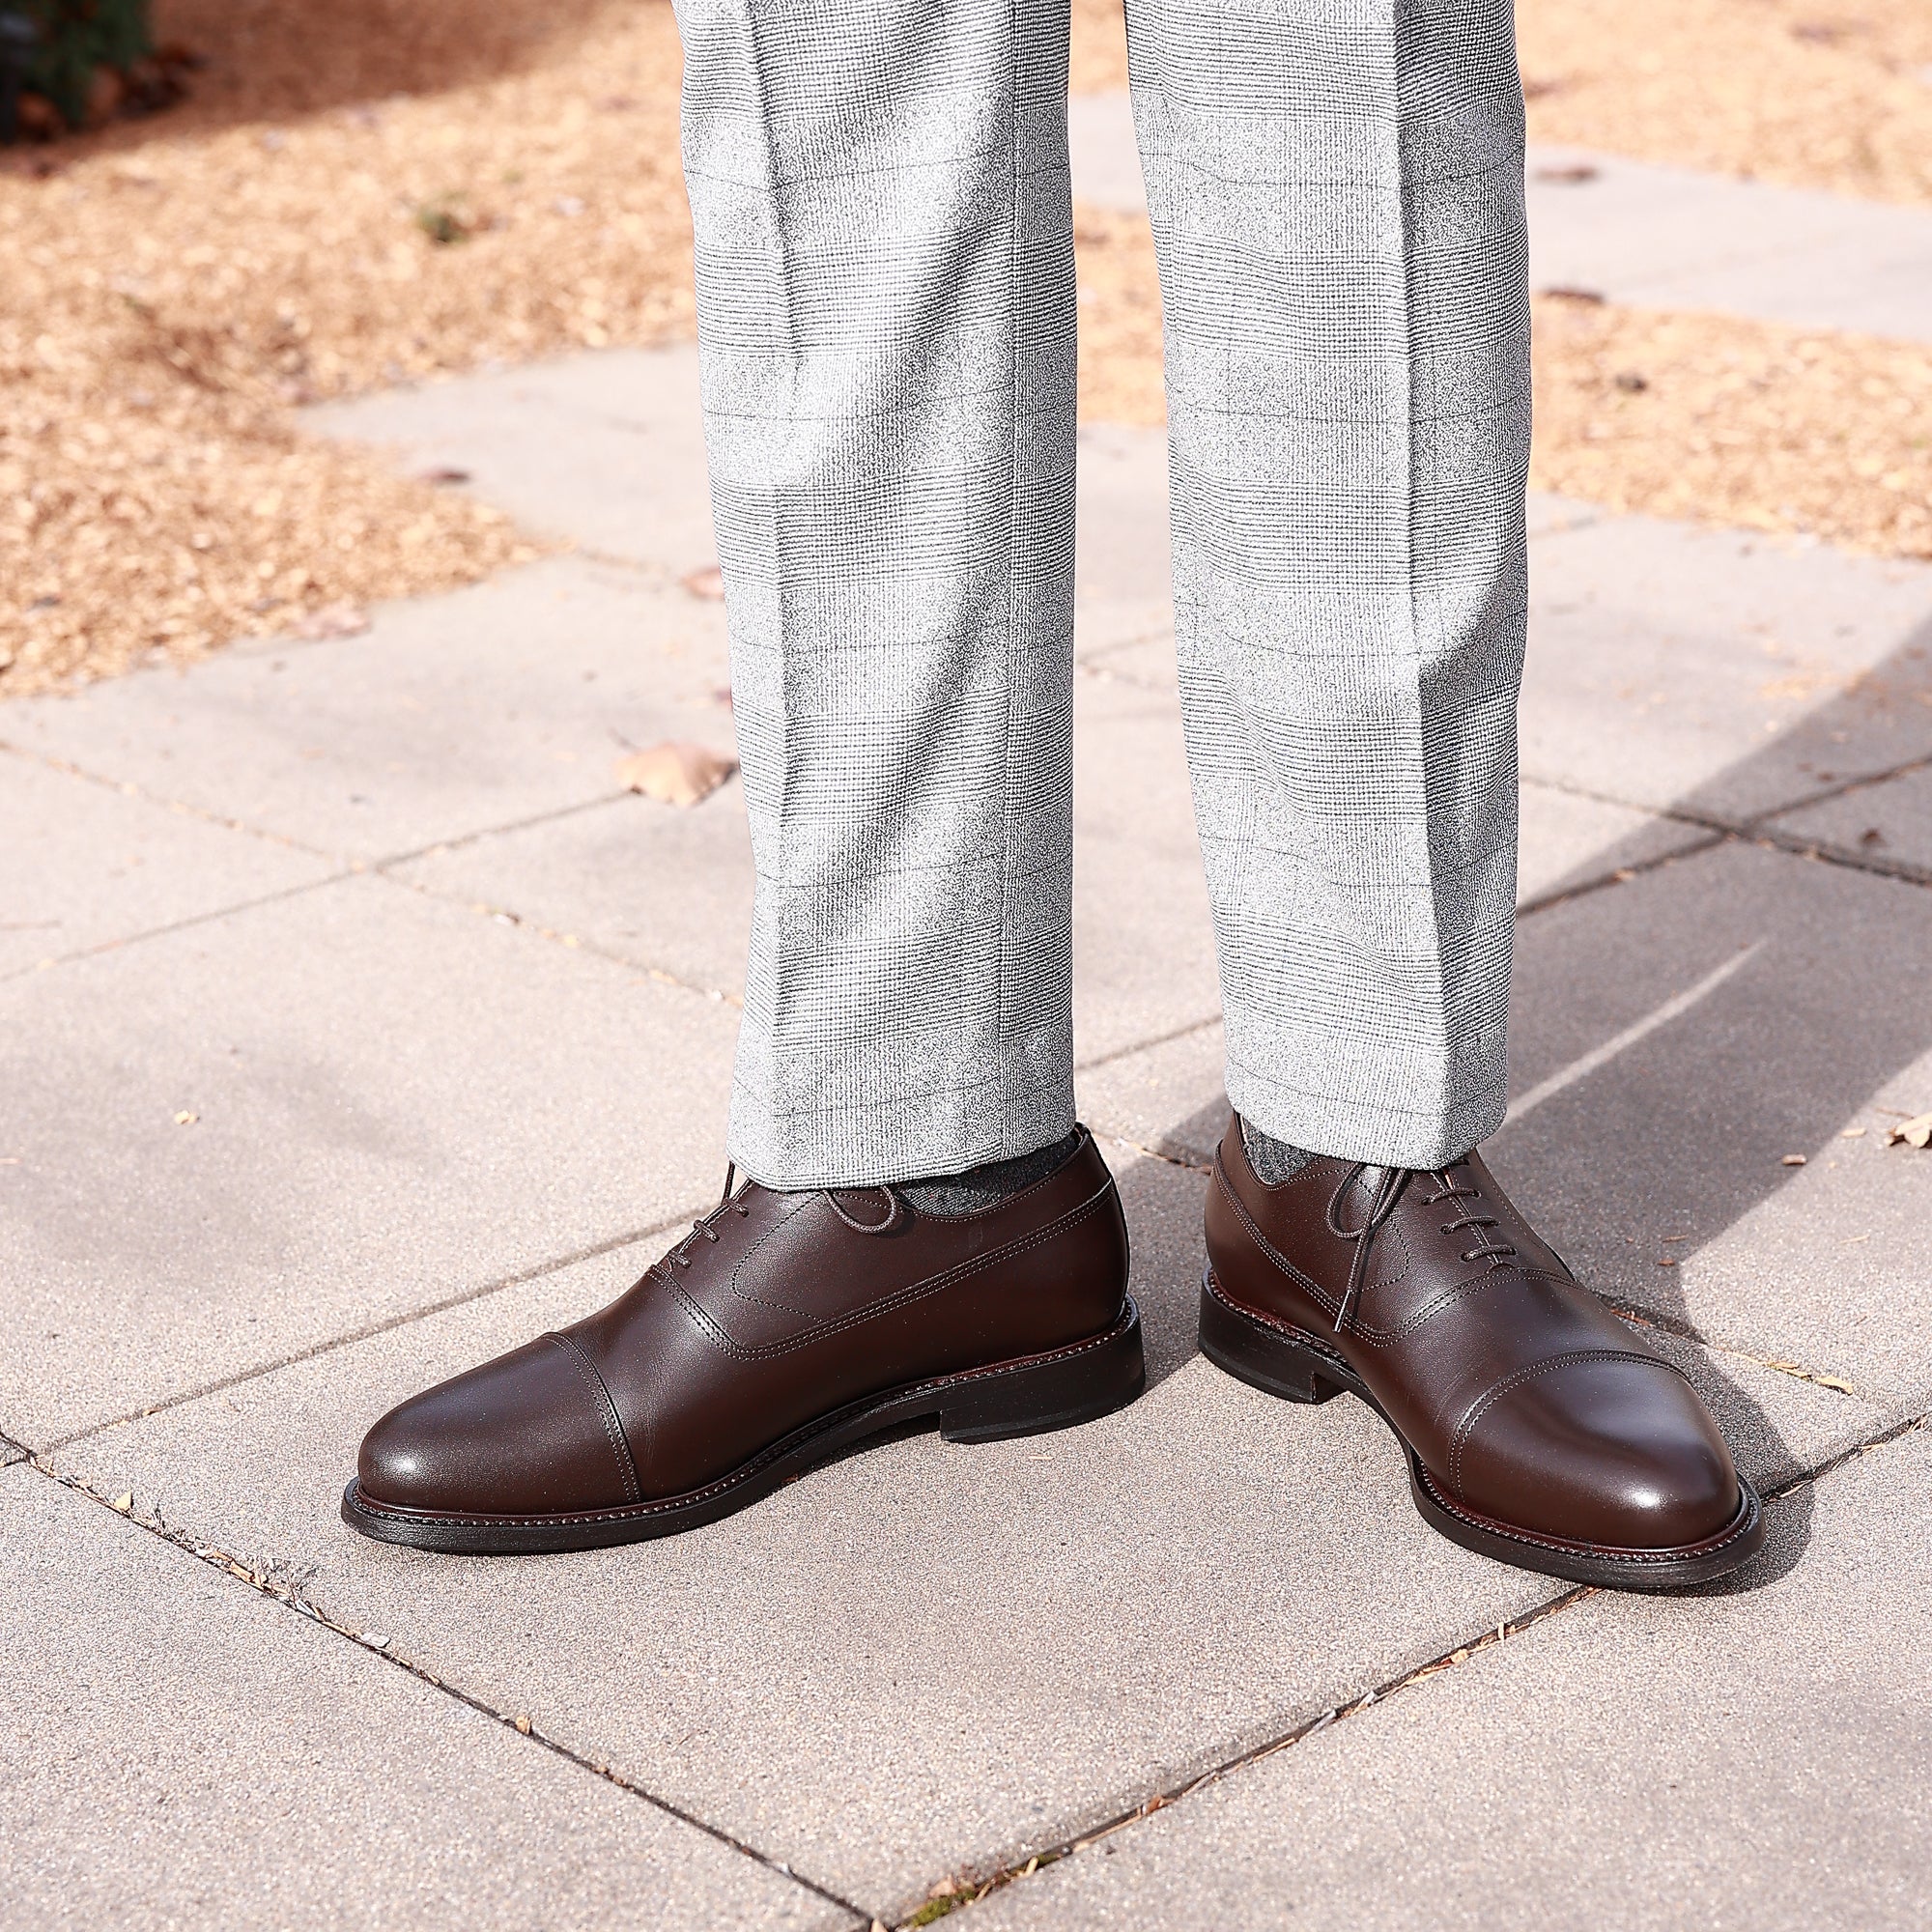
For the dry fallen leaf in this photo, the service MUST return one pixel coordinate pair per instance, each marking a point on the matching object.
(1794, 1161)
(124, 1503)
(707, 583)
(675, 773)
(524, 1725)
(1851, 1134)
(1915, 1132)
(185, 1120)
(332, 620)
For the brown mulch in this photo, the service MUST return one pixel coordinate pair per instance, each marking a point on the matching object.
(1834, 94)
(381, 190)
(303, 227)
(1696, 416)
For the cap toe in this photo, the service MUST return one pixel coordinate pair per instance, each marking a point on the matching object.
(528, 1434)
(1617, 1450)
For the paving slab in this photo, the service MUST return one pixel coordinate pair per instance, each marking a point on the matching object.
(451, 715)
(672, 889)
(1887, 824)
(394, 1100)
(1674, 1041)
(1751, 1759)
(602, 448)
(179, 1751)
(606, 447)
(929, 1655)
(1143, 940)
(1652, 236)
(1657, 237)
(922, 1654)
(87, 866)
(1721, 674)
(663, 886)
(1168, 1095)
(1122, 591)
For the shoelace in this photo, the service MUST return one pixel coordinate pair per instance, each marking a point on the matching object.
(1389, 1190)
(706, 1224)
(703, 1225)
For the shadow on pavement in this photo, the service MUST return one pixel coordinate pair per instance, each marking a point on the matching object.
(1808, 995)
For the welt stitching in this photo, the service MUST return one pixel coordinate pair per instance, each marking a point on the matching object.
(1602, 1551)
(785, 1445)
(607, 1414)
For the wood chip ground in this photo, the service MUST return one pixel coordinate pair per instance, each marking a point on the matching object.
(375, 192)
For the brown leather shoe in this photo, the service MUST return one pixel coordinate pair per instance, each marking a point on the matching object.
(781, 1329)
(1540, 1429)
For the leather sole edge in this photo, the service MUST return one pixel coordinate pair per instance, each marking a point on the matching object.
(1059, 1389)
(1286, 1362)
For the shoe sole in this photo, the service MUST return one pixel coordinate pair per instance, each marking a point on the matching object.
(1287, 1361)
(1056, 1390)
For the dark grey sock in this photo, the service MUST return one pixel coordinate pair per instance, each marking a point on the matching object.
(986, 1186)
(1273, 1161)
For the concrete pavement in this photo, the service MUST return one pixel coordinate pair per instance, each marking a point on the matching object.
(358, 1026)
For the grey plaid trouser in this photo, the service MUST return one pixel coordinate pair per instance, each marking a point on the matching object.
(885, 321)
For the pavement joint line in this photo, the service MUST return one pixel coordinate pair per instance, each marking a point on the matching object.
(275, 1589)
(1145, 1045)
(127, 788)
(1103, 674)
(457, 842)
(569, 942)
(1351, 1706)
(329, 1344)
(1686, 1331)
(187, 924)
(1459, 1653)
(1181, 1160)
(1588, 521)
(1160, 634)
(1758, 828)
(1622, 875)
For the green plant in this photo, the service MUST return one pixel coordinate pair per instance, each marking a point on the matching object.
(74, 39)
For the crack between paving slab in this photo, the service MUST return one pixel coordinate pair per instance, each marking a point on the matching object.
(127, 788)
(958, 1894)
(1684, 1331)
(348, 1339)
(1160, 634)
(1758, 830)
(458, 840)
(1184, 1162)
(569, 942)
(1146, 1045)
(951, 1894)
(1102, 674)
(276, 1590)
(1621, 876)
(187, 924)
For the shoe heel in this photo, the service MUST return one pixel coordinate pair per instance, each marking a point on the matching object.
(1052, 1393)
(1261, 1354)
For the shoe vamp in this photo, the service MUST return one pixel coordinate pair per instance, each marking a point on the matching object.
(810, 1274)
